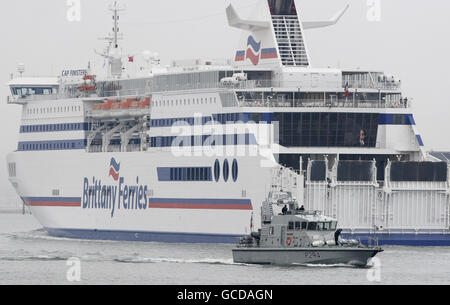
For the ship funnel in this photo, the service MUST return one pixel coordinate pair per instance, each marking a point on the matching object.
(273, 38)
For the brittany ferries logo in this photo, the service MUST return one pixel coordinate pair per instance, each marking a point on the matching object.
(114, 169)
(254, 52)
(112, 197)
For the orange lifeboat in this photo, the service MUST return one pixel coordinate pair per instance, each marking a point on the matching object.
(86, 87)
(107, 105)
(126, 104)
(115, 105)
(89, 84)
(135, 104)
(89, 77)
(145, 103)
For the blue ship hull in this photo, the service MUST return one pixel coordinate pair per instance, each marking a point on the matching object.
(397, 239)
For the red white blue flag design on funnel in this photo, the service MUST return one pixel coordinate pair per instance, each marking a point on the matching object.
(254, 52)
(114, 169)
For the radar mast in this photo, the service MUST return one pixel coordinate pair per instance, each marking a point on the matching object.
(112, 53)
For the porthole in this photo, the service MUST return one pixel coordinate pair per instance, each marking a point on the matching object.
(226, 170)
(235, 170)
(217, 171)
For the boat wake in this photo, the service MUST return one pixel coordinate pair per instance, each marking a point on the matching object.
(42, 234)
(331, 266)
(23, 255)
(146, 260)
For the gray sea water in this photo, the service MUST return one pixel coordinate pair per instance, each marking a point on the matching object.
(29, 256)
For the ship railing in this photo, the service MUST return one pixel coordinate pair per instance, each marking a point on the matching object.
(266, 83)
(134, 148)
(95, 149)
(370, 241)
(262, 84)
(241, 85)
(301, 103)
(121, 112)
(381, 85)
(30, 98)
(115, 148)
(125, 92)
(246, 242)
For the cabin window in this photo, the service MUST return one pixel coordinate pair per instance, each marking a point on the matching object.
(226, 170)
(327, 226)
(312, 226)
(333, 225)
(291, 225)
(297, 225)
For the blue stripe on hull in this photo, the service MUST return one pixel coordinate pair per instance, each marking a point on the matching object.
(141, 236)
(419, 240)
(398, 239)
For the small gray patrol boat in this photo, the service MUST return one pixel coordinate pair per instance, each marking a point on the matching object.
(293, 236)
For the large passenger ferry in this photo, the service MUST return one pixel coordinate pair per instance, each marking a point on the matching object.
(188, 152)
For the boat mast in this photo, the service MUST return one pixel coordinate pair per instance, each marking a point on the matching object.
(112, 53)
(115, 9)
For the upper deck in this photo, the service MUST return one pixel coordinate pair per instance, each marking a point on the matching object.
(271, 69)
(295, 87)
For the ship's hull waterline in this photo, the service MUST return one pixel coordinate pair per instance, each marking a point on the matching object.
(304, 256)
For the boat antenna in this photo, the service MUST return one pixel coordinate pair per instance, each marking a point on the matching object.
(112, 54)
(116, 8)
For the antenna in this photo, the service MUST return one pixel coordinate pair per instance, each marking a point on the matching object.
(112, 54)
(116, 8)
(21, 69)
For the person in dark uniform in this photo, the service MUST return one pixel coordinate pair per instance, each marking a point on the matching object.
(302, 209)
(284, 210)
(336, 236)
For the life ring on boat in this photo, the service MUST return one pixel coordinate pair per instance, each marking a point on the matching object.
(289, 241)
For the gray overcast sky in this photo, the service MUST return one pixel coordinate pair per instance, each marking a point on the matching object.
(411, 41)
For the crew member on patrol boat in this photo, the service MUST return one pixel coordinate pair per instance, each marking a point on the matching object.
(336, 236)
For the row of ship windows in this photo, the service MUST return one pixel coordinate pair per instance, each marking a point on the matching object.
(199, 173)
(52, 145)
(294, 118)
(54, 127)
(171, 122)
(222, 118)
(310, 226)
(226, 170)
(191, 174)
(184, 102)
(48, 110)
(184, 174)
(203, 140)
(189, 141)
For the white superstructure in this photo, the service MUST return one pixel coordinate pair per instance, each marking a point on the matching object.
(189, 152)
